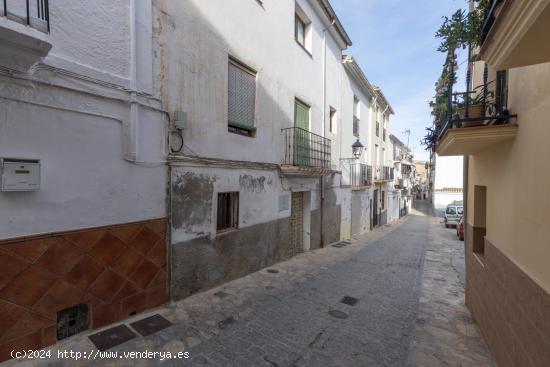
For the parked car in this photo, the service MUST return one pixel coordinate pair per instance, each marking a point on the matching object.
(453, 213)
(460, 229)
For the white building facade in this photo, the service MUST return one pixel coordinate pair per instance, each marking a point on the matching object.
(82, 152)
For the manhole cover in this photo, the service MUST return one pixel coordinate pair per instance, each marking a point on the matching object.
(151, 325)
(112, 337)
(225, 323)
(350, 301)
(338, 314)
(272, 271)
(221, 294)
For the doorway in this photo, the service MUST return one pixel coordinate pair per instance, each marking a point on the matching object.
(296, 224)
(375, 210)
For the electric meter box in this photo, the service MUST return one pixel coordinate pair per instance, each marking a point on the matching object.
(19, 174)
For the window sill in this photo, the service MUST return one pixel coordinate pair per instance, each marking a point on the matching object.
(304, 48)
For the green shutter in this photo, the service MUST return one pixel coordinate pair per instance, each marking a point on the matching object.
(301, 116)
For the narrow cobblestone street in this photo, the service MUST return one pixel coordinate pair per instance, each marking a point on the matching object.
(407, 278)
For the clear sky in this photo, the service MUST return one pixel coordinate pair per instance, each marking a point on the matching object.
(394, 42)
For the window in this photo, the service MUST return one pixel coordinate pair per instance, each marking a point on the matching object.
(356, 120)
(377, 129)
(300, 31)
(332, 120)
(451, 210)
(501, 91)
(228, 211)
(241, 99)
(480, 220)
(301, 115)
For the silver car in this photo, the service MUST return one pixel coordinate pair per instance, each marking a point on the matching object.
(453, 213)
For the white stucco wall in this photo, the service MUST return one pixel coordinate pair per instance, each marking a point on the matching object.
(449, 172)
(195, 39)
(73, 112)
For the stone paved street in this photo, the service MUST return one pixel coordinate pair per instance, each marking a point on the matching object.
(407, 277)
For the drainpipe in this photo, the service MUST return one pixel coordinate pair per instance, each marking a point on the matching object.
(171, 303)
(131, 151)
(322, 181)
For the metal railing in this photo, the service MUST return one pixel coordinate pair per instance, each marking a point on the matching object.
(383, 173)
(305, 149)
(355, 174)
(483, 106)
(34, 13)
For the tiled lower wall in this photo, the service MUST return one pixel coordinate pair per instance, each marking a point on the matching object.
(117, 270)
(512, 311)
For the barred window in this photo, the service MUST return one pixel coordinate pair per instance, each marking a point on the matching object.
(241, 99)
(228, 211)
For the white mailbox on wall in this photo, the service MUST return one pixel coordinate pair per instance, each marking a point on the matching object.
(18, 174)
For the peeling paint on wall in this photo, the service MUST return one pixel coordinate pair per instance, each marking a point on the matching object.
(191, 200)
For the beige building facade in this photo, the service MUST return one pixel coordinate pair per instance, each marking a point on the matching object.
(508, 181)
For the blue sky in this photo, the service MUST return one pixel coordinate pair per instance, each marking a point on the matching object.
(393, 41)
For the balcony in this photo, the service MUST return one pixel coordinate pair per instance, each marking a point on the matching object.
(355, 174)
(516, 33)
(305, 153)
(24, 33)
(476, 126)
(382, 173)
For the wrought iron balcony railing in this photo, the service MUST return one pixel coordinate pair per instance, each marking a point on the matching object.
(34, 13)
(305, 149)
(383, 173)
(485, 105)
(355, 174)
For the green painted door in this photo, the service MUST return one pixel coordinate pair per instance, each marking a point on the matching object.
(301, 135)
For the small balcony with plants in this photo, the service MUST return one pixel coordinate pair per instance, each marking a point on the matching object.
(24, 33)
(468, 122)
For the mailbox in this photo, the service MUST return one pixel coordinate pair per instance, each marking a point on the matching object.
(17, 174)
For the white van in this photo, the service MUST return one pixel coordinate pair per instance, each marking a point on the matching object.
(453, 213)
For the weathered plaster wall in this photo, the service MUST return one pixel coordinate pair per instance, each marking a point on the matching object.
(517, 178)
(195, 40)
(203, 262)
(85, 181)
(75, 112)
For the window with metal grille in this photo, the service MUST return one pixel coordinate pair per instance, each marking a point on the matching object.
(241, 99)
(377, 128)
(228, 211)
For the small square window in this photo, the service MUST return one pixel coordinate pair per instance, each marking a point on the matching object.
(228, 211)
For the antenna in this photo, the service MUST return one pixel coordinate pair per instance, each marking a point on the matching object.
(408, 133)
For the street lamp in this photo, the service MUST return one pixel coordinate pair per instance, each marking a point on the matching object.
(357, 149)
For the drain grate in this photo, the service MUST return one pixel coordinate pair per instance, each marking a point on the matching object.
(112, 337)
(225, 323)
(350, 301)
(341, 244)
(338, 314)
(221, 294)
(272, 271)
(151, 325)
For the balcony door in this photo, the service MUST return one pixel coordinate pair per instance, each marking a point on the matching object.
(301, 134)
